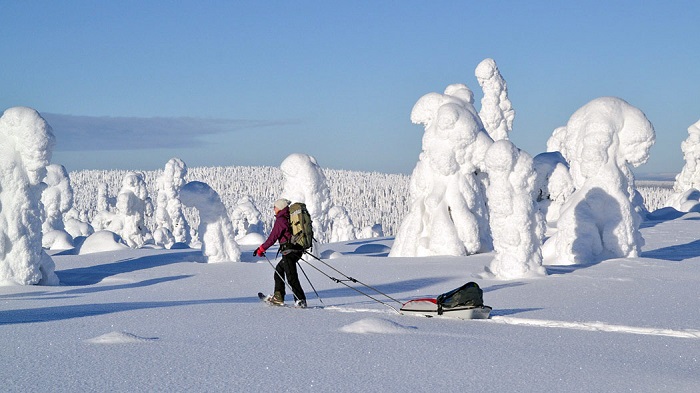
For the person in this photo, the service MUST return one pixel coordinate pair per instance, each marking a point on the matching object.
(287, 267)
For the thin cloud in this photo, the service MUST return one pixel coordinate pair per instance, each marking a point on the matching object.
(80, 133)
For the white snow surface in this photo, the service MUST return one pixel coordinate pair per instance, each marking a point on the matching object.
(157, 320)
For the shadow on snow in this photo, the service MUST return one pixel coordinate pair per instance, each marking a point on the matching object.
(675, 253)
(59, 313)
(95, 274)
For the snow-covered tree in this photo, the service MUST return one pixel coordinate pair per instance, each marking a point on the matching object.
(215, 229)
(133, 204)
(169, 213)
(447, 213)
(305, 182)
(557, 142)
(370, 231)
(57, 197)
(684, 197)
(26, 146)
(496, 112)
(690, 174)
(341, 225)
(103, 200)
(553, 184)
(602, 141)
(246, 218)
(76, 227)
(517, 226)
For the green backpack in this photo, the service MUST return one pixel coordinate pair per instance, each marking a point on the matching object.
(302, 230)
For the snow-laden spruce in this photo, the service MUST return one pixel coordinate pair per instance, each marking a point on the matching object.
(305, 182)
(248, 222)
(553, 184)
(341, 225)
(685, 196)
(26, 146)
(447, 213)
(172, 227)
(601, 141)
(128, 216)
(56, 201)
(517, 226)
(104, 202)
(133, 204)
(215, 229)
(57, 197)
(496, 112)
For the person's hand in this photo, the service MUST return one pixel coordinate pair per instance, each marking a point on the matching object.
(259, 252)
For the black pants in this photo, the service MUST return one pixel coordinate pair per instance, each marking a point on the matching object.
(287, 268)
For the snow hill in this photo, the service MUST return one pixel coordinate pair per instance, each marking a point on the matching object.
(157, 320)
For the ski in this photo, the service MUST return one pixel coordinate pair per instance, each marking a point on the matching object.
(266, 299)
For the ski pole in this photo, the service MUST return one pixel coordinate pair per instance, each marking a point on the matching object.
(312, 285)
(352, 279)
(278, 274)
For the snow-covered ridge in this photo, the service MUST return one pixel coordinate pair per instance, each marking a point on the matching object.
(369, 197)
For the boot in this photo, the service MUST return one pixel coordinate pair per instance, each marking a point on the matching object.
(277, 299)
(300, 303)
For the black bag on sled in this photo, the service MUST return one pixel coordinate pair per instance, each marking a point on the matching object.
(468, 295)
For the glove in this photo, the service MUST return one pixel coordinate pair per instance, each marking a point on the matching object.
(259, 252)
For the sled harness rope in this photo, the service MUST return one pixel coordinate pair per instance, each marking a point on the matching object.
(348, 278)
(312, 285)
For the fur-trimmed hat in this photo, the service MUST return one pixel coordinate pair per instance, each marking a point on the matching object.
(281, 203)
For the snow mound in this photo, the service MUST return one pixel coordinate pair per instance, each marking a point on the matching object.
(102, 241)
(331, 254)
(57, 239)
(251, 239)
(120, 338)
(372, 249)
(375, 325)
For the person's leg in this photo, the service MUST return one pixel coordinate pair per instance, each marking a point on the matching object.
(290, 266)
(279, 283)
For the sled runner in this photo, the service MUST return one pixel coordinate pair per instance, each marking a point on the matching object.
(465, 302)
(429, 308)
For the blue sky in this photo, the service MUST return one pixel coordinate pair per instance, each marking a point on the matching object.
(130, 84)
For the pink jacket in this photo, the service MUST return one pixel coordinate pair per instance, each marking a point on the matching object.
(281, 230)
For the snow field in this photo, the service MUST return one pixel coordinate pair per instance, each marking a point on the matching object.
(159, 320)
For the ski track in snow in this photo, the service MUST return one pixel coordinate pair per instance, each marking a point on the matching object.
(597, 327)
(585, 326)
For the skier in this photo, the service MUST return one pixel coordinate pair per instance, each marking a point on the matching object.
(287, 267)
